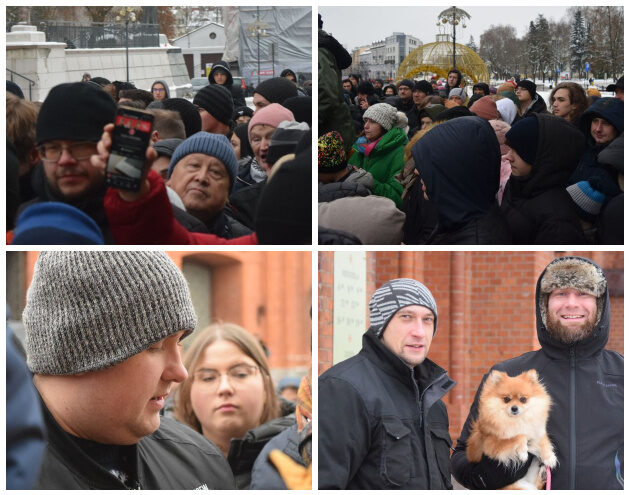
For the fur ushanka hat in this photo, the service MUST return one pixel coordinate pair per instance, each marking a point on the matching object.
(572, 273)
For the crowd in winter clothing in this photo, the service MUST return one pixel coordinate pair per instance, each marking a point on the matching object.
(492, 167)
(117, 404)
(216, 170)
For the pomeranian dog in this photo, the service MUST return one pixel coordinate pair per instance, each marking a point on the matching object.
(512, 422)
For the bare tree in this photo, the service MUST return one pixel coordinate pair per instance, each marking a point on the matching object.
(495, 47)
(605, 45)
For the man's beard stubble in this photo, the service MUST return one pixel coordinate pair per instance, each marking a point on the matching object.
(567, 335)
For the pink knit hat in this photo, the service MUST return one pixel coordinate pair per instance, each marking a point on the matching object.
(485, 107)
(270, 115)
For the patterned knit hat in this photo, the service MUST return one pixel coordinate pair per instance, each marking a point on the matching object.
(395, 295)
(331, 156)
(386, 116)
(89, 310)
(216, 145)
(217, 101)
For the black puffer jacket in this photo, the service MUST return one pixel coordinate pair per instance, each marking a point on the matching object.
(585, 423)
(383, 425)
(538, 209)
(172, 458)
(459, 162)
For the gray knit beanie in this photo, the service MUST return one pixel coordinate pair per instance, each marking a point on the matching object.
(89, 310)
(386, 116)
(395, 295)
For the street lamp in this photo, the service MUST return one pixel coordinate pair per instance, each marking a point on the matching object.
(127, 14)
(454, 16)
(259, 29)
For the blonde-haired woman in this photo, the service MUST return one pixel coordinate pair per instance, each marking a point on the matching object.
(229, 396)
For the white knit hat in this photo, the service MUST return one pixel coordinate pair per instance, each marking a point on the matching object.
(386, 116)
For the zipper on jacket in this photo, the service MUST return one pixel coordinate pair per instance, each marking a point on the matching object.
(572, 439)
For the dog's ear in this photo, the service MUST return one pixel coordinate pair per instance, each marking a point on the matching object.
(532, 375)
(495, 377)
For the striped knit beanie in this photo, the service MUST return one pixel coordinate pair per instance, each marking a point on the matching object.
(395, 295)
(89, 310)
(216, 145)
(217, 101)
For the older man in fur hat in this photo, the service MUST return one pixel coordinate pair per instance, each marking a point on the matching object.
(584, 380)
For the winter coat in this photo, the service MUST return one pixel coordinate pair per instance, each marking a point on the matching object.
(332, 236)
(244, 202)
(174, 457)
(384, 162)
(334, 114)
(459, 162)
(382, 424)
(354, 183)
(244, 451)
(602, 177)
(421, 216)
(224, 225)
(150, 220)
(237, 93)
(538, 209)
(585, 382)
(265, 476)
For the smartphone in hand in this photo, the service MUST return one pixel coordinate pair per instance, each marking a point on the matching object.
(130, 139)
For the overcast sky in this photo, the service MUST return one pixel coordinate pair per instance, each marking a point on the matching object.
(357, 26)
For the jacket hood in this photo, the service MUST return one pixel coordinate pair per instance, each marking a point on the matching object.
(610, 109)
(459, 162)
(221, 65)
(570, 272)
(560, 146)
(325, 40)
(163, 82)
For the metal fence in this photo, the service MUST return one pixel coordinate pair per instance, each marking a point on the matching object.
(101, 35)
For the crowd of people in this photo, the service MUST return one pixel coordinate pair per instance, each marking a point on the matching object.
(495, 165)
(216, 170)
(113, 405)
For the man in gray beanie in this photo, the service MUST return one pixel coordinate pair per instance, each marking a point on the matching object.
(103, 339)
(584, 380)
(382, 423)
(202, 172)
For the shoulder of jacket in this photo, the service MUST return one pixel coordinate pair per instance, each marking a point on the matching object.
(172, 433)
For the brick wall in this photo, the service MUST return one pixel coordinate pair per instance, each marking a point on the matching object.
(486, 308)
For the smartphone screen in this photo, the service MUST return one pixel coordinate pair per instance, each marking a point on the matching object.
(132, 133)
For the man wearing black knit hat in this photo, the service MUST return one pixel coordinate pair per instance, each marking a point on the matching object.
(405, 102)
(69, 124)
(274, 90)
(215, 106)
(529, 101)
(382, 423)
(103, 340)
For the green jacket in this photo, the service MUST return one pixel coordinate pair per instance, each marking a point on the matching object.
(385, 161)
(334, 114)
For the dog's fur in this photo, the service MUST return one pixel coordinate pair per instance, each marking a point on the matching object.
(512, 421)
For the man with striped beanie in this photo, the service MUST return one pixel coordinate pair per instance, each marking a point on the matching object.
(103, 339)
(382, 423)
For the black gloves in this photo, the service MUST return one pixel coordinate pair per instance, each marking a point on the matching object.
(489, 474)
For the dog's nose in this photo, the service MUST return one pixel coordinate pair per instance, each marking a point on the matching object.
(514, 409)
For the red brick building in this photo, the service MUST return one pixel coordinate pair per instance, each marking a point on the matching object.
(486, 308)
